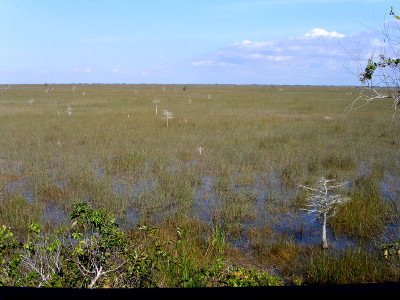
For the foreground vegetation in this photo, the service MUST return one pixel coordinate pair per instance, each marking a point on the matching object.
(212, 199)
(93, 252)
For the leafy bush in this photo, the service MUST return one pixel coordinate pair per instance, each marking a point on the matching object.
(241, 277)
(94, 252)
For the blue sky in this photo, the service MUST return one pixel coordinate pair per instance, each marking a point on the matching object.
(185, 42)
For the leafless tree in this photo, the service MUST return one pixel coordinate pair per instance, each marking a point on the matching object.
(324, 203)
(156, 101)
(167, 115)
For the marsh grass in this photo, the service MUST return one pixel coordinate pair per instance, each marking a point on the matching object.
(19, 213)
(348, 267)
(259, 143)
(366, 215)
(126, 162)
(278, 249)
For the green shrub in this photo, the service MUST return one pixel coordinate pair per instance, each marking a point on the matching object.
(241, 277)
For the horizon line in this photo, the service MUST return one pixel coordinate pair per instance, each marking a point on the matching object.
(237, 84)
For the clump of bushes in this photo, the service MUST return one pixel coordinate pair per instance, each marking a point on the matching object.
(94, 253)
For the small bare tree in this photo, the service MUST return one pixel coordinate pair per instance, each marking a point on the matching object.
(167, 115)
(69, 111)
(324, 203)
(156, 101)
(200, 149)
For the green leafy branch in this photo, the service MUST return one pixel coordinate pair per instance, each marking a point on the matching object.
(372, 66)
(384, 61)
(393, 14)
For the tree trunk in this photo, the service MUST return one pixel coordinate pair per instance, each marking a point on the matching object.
(98, 275)
(324, 239)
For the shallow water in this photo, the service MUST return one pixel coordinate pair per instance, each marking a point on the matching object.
(301, 226)
(55, 216)
(21, 187)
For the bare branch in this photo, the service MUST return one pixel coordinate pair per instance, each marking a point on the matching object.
(323, 202)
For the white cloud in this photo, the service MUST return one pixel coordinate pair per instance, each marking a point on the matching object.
(207, 62)
(212, 63)
(318, 57)
(318, 32)
(122, 72)
(82, 70)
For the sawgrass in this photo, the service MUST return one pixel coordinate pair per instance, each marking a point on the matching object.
(259, 143)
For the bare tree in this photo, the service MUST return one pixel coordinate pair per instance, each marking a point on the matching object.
(324, 203)
(69, 111)
(156, 101)
(167, 115)
(200, 149)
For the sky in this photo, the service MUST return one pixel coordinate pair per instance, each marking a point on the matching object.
(290, 42)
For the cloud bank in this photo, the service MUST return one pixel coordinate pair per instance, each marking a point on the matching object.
(318, 57)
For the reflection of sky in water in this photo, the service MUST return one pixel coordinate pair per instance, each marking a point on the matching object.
(55, 216)
(132, 215)
(21, 187)
(390, 187)
(206, 200)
